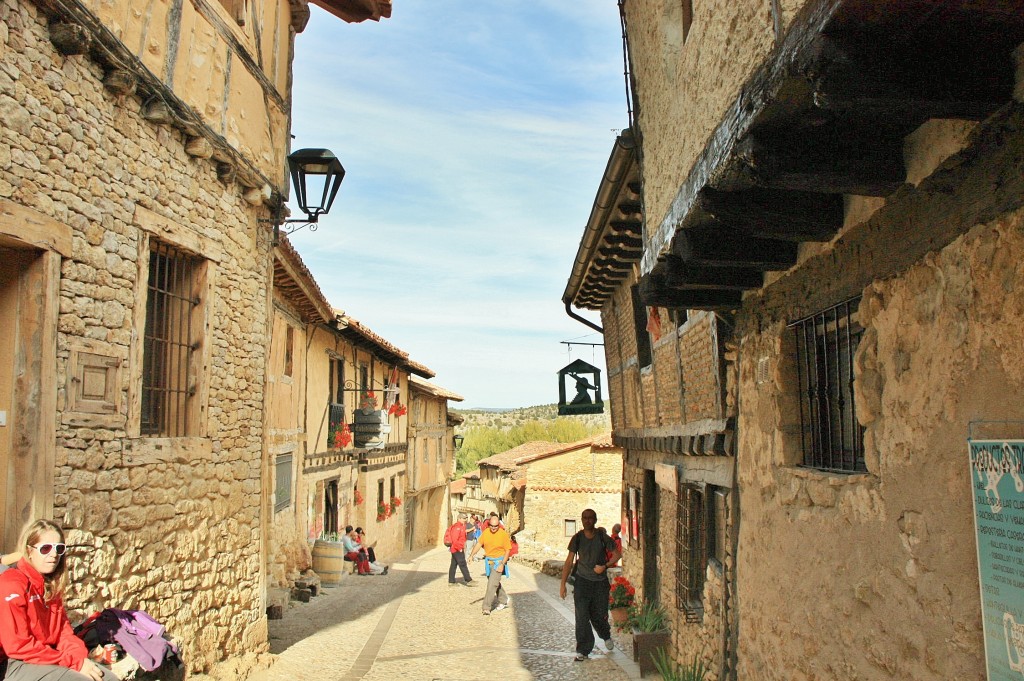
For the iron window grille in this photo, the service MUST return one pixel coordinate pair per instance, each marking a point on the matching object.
(830, 436)
(283, 482)
(691, 550)
(170, 339)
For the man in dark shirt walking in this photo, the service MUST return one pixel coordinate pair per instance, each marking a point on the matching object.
(590, 549)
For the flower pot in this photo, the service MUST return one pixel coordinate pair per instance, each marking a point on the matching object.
(645, 647)
(619, 615)
(371, 416)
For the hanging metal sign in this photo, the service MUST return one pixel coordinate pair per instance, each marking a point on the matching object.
(997, 477)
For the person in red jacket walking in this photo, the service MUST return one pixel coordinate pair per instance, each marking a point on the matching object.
(455, 538)
(36, 638)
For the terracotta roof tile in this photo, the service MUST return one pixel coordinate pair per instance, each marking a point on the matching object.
(434, 389)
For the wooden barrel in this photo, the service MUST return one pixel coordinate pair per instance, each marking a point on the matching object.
(329, 561)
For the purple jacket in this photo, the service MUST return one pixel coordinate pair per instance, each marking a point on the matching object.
(140, 635)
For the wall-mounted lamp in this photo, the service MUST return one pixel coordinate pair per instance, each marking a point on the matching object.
(459, 439)
(303, 165)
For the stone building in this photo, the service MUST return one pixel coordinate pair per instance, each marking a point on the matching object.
(430, 463)
(666, 377)
(845, 212)
(540, 488)
(561, 482)
(141, 145)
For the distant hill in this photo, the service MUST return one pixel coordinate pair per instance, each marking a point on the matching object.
(489, 431)
(504, 419)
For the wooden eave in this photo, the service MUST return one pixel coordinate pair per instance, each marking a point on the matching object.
(355, 11)
(294, 282)
(434, 390)
(612, 242)
(361, 336)
(824, 116)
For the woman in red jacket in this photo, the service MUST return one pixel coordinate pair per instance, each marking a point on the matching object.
(35, 636)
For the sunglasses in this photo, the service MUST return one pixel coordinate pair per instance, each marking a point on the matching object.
(44, 549)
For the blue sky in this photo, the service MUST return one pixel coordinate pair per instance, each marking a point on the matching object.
(474, 136)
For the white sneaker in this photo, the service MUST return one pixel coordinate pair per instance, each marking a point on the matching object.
(609, 644)
(500, 606)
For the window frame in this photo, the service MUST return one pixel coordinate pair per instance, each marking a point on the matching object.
(644, 349)
(632, 516)
(566, 524)
(189, 390)
(835, 341)
(289, 350)
(283, 483)
(691, 548)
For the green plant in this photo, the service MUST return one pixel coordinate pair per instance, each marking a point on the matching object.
(670, 670)
(647, 617)
(329, 536)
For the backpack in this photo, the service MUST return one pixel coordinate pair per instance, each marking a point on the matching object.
(448, 537)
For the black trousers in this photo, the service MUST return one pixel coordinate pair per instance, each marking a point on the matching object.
(459, 559)
(591, 601)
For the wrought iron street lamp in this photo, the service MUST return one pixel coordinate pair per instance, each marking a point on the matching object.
(458, 441)
(304, 165)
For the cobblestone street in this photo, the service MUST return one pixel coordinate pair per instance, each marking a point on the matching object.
(411, 624)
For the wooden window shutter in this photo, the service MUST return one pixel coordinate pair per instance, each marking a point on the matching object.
(95, 383)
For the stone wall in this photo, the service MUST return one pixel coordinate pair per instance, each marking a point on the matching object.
(176, 530)
(559, 487)
(891, 572)
(687, 81)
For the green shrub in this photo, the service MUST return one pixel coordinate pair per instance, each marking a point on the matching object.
(672, 671)
(647, 617)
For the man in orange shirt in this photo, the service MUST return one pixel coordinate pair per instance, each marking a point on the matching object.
(496, 545)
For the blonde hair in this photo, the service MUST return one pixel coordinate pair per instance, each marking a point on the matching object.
(56, 581)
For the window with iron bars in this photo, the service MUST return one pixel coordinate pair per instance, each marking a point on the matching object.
(691, 550)
(171, 339)
(830, 436)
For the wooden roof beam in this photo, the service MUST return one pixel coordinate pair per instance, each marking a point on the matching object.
(714, 248)
(681, 275)
(774, 214)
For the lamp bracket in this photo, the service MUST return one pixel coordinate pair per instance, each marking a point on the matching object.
(291, 225)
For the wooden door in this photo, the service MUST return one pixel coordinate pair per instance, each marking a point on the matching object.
(28, 280)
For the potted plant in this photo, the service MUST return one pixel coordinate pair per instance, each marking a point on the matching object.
(620, 598)
(649, 624)
(383, 512)
(395, 503)
(357, 497)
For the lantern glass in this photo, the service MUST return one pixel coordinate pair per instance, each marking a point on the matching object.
(319, 167)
